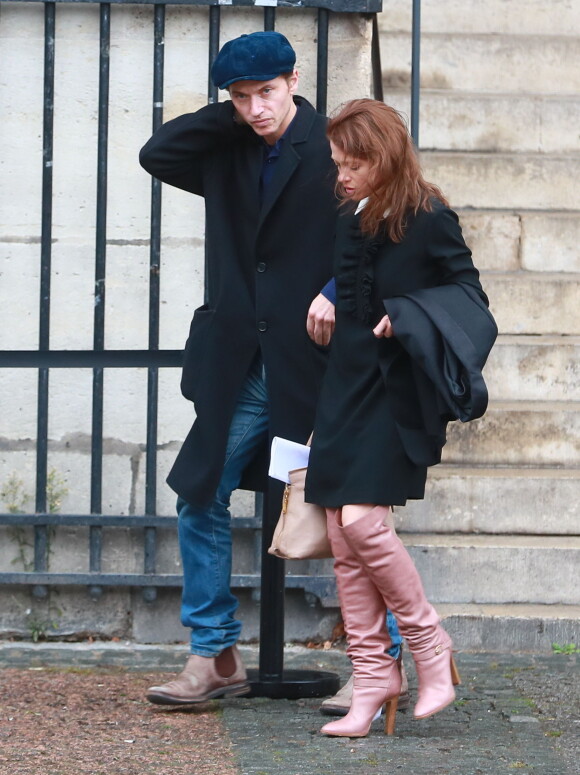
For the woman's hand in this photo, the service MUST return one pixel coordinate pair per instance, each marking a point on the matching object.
(384, 328)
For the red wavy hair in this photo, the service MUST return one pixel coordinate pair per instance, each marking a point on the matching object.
(370, 130)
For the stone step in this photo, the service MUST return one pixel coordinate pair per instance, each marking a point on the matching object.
(502, 629)
(530, 64)
(456, 121)
(511, 628)
(518, 433)
(513, 17)
(497, 568)
(496, 500)
(539, 241)
(531, 368)
(505, 181)
(534, 302)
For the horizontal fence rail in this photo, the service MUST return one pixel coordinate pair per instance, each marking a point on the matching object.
(338, 6)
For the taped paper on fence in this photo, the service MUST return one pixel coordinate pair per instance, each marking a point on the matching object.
(286, 456)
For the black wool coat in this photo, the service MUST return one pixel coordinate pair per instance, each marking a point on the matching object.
(379, 422)
(265, 264)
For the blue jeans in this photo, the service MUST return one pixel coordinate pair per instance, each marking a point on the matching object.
(205, 540)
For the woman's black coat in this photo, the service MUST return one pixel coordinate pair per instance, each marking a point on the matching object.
(381, 420)
(265, 264)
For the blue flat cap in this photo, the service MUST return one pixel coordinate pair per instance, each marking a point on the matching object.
(259, 56)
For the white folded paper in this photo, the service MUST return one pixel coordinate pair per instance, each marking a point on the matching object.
(286, 456)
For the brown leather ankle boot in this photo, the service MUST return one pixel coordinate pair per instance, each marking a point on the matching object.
(202, 679)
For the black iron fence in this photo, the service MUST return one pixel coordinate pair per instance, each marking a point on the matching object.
(44, 358)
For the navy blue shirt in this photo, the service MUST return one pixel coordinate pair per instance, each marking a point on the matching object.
(269, 159)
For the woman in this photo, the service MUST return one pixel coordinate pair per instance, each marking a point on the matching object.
(372, 441)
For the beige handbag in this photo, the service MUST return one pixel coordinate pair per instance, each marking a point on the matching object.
(301, 530)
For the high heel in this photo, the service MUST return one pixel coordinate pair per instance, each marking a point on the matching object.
(391, 715)
(455, 673)
(393, 572)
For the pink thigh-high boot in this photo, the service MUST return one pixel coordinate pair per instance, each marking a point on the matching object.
(377, 676)
(393, 572)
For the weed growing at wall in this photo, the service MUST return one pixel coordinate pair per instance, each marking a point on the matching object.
(16, 500)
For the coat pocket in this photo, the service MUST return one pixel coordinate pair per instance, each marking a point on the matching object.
(195, 351)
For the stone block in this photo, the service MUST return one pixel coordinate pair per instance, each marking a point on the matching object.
(16, 548)
(466, 121)
(510, 628)
(18, 398)
(304, 619)
(158, 621)
(21, 52)
(65, 612)
(501, 500)
(17, 476)
(476, 62)
(534, 368)
(550, 242)
(497, 569)
(504, 181)
(19, 311)
(557, 116)
(535, 241)
(517, 17)
(122, 488)
(494, 239)
(518, 434)
(534, 303)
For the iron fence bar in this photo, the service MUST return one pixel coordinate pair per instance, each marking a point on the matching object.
(214, 17)
(41, 531)
(95, 536)
(322, 61)
(269, 18)
(214, 45)
(150, 539)
(378, 92)
(272, 597)
(415, 70)
(113, 520)
(338, 6)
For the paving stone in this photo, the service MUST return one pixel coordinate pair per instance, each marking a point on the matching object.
(473, 736)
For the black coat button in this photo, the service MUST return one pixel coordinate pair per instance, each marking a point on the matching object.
(261, 267)
(262, 325)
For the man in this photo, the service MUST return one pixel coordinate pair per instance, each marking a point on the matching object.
(262, 162)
